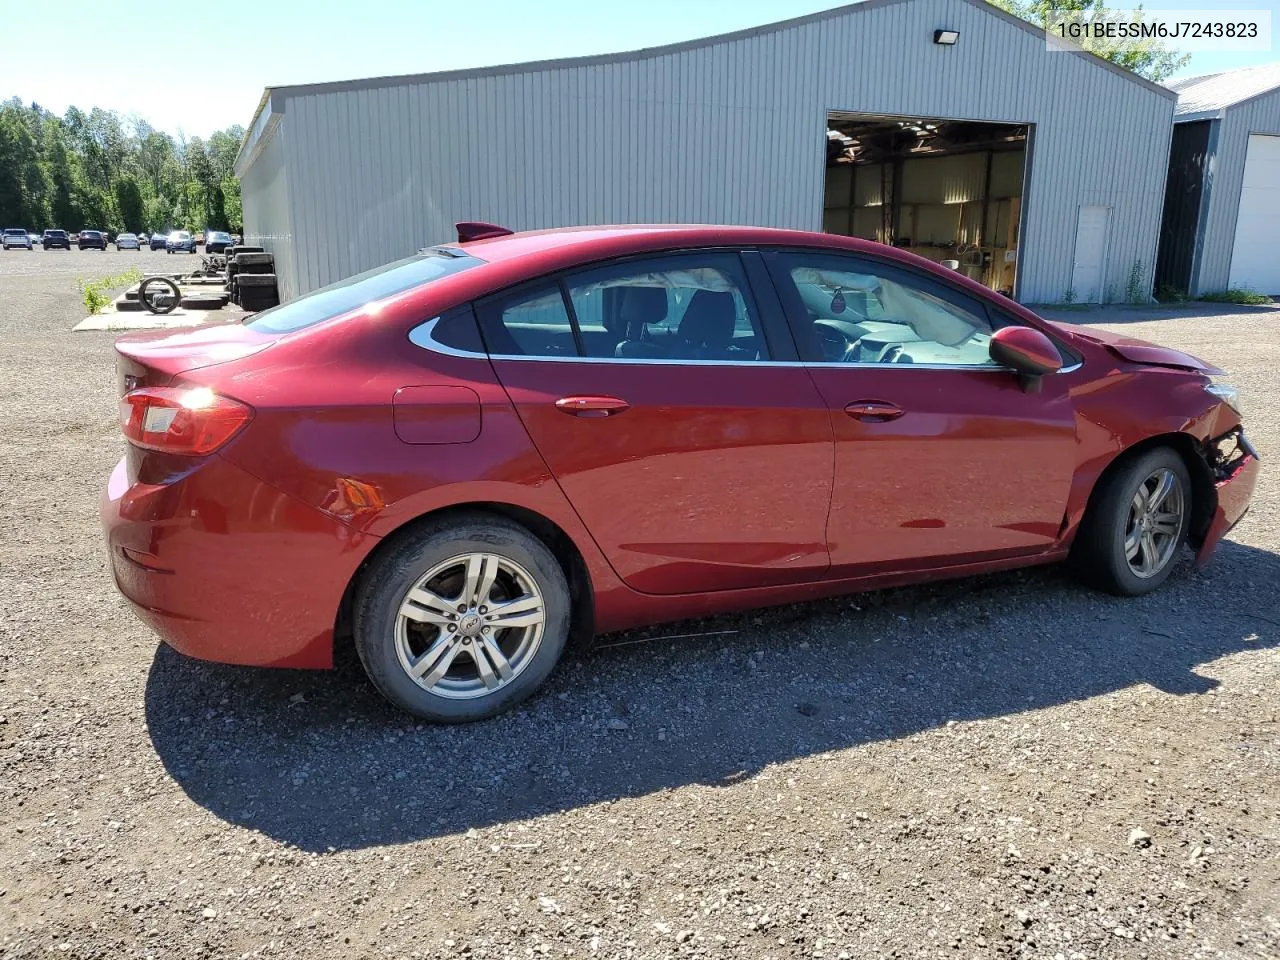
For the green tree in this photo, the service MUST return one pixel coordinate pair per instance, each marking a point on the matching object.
(161, 214)
(64, 208)
(21, 196)
(97, 169)
(1149, 59)
(129, 204)
(232, 206)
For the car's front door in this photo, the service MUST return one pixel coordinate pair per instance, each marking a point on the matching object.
(941, 456)
(646, 385)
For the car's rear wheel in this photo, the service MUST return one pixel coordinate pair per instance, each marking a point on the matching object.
(1136, 525)
(462, 619)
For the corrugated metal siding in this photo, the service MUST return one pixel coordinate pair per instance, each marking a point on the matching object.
(1226, 176)
(728, 133)
(268, 210)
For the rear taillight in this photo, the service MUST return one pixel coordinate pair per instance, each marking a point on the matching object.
(184, 420)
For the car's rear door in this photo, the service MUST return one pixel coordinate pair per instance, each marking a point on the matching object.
(941, 456)
(651, 387)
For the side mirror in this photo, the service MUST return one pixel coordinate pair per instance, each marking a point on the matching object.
(1026, 351)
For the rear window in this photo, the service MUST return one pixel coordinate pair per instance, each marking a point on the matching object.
(15, 233)
(377, 284)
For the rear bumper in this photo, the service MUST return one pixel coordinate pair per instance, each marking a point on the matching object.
(1235, 490)
(226, 568)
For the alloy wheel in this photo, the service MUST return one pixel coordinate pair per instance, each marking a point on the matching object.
(470, 625)
(1153, 528)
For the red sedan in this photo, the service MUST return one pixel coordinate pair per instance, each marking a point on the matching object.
(468, 457)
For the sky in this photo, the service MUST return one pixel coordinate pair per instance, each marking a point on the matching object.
(200, 67)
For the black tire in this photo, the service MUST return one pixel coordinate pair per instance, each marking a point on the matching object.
(387, 581)
(257, 280)
(168, 303)
(1098, 555)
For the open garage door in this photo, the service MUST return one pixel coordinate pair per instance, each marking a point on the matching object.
(948, 190)
(1255, 257)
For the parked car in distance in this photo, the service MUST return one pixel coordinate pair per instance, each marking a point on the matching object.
(200, 237)
(127, 241)
(159, 241)
(180, 240)
(217, 242)
(605, 428)
(91, 240)
(15, 237)
(35, 239)
(144, 239)
(52, 239)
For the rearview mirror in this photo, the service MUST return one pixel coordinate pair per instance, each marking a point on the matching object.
(1026, 351)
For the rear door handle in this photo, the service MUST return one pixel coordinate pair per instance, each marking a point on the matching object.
(592, 406)
(874, 411)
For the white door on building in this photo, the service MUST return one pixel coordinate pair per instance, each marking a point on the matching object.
(1091, 253)
(1255, 256)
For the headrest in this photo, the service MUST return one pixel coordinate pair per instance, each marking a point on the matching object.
(641, 305)
(708, 320)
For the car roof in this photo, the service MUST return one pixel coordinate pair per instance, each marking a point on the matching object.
(560, 248)
(567, 245)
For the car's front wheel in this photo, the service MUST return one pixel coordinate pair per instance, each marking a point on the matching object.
(462, 619)
(1136, 524)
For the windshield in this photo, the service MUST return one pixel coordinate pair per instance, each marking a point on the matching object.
(376, 284)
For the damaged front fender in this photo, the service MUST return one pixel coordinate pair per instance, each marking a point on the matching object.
(1233, 466)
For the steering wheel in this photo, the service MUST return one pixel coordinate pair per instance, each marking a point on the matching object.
(834, 345)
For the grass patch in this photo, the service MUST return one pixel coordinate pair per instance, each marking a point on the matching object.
(1248, 298)
(96, 292)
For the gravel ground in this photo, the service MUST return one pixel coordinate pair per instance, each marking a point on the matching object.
(1006, 766)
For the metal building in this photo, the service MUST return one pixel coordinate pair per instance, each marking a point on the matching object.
(1221, 224)
(946, 126)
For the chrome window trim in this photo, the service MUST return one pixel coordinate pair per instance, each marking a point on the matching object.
(421, 336)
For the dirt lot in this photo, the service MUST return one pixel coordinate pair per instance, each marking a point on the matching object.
(943, 772)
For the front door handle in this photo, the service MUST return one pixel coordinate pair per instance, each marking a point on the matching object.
(592, 407)
(874, 411)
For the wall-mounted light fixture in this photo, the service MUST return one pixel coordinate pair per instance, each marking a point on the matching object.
(946, 38)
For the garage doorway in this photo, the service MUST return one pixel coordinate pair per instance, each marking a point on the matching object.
(948, 190)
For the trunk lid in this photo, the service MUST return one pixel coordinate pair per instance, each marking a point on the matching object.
(1139, 351)
(155, 358)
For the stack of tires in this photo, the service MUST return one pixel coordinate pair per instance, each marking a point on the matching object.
(252, 279)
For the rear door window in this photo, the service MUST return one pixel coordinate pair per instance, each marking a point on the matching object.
(686, 307)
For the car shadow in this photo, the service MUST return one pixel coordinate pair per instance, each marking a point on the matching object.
(319, 761)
